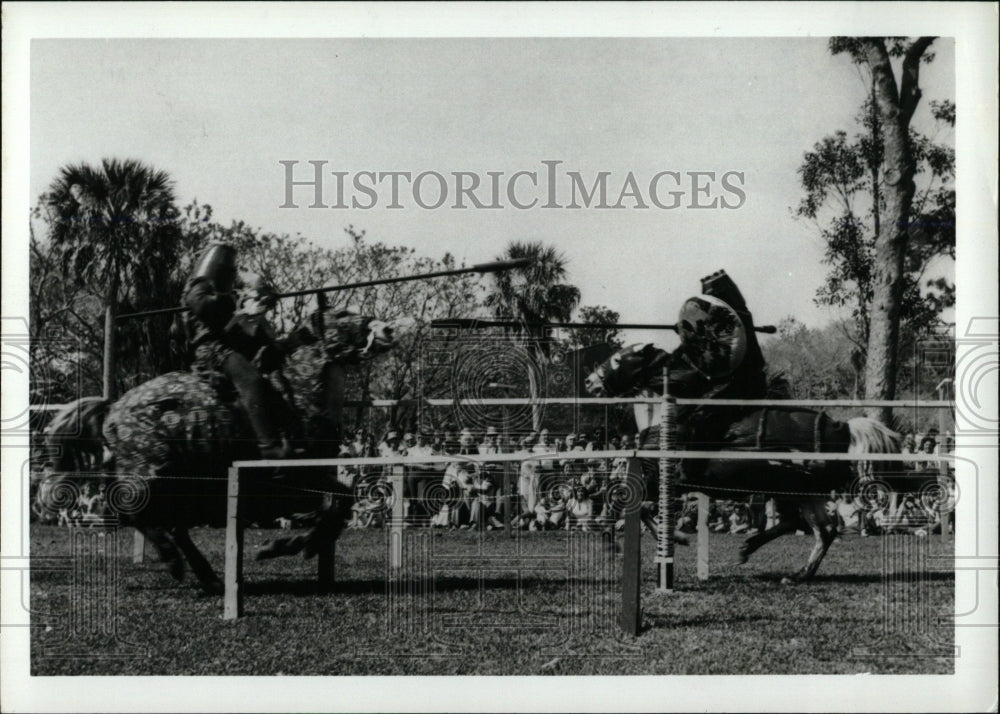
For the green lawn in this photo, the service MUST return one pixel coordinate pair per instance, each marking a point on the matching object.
(544, 603)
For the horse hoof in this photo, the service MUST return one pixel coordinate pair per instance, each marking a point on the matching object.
(176, 569)
(744, 556)
(787, 581)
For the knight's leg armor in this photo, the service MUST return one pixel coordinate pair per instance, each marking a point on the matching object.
(254, 395)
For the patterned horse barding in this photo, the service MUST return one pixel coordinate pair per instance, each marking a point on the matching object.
(799, 488)
(173, 438)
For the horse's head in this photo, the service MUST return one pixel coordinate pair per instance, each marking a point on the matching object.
(626, 372)
(383, 336)
(349, 338)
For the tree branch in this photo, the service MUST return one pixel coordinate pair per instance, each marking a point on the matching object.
(909, 82)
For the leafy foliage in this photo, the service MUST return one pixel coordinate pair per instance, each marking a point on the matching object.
(536, 293)
(845, 178)
(108, 232)
(815, 364)
(533, 295)
(597, 315)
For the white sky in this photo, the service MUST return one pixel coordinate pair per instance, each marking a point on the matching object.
(219, 115)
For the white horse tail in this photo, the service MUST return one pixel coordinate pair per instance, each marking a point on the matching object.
(869, 436)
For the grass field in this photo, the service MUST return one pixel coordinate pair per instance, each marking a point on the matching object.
(543, 603)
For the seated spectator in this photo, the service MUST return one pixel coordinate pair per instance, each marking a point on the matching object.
(458, 478)
(549, 513)
(928, 445)
(912, 518)
(849, 515)
(909, 445)
(579, 509)
(739, 520)
(484, 487)
(687, 522)
(389, 446)
(831, 505)
(718, 519)
(93, 505)
(358, 445)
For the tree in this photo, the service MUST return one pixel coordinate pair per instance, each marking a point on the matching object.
(881, 232)
(65, 343)
(597, 315)
(112, 228)
(817, 364)
(405, 372)
(533, 295)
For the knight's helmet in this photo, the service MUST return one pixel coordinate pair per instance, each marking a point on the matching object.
(720, 285)
(218, 264)
(714, 339)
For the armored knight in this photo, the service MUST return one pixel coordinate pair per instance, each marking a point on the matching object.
(208, 296)
(719, 358)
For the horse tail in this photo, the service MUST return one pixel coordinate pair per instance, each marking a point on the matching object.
(74, 438)
(869, 436)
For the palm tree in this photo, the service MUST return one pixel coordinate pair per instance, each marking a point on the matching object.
(114, 229)
(533, 295)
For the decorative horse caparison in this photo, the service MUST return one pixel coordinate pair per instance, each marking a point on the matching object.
(799, 489)
(173, 438)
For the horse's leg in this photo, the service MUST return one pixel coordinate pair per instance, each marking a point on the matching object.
(166, 549)
(199, 565)
(653, 526)
(331, 524)
(824, 533)
(753, 543)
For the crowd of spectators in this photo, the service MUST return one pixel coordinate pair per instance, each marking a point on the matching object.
(545, 490)
(933, 443)
(549, 490)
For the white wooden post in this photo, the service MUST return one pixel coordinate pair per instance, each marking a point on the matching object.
(233, 607)
(396, 520)
(702, 536)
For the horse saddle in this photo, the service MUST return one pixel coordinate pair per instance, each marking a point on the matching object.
(789, 429)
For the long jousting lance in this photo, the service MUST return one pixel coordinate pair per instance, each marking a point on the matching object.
(472, 323)
(481, 268)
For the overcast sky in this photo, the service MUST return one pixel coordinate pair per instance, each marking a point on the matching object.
(219, 115)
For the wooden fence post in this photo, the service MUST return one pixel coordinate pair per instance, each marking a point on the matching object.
(233, 607)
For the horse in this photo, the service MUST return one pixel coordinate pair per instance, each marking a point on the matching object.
(167, 444)
(800, 489)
